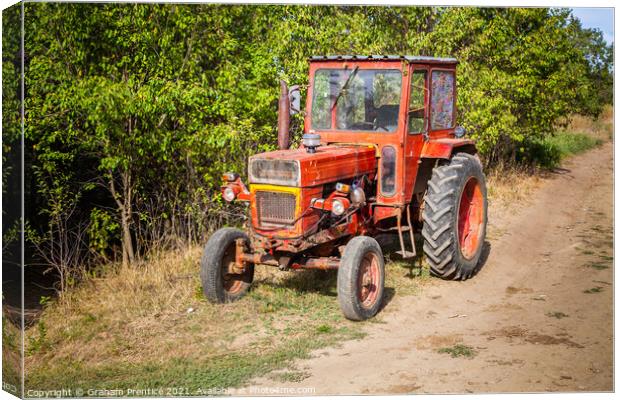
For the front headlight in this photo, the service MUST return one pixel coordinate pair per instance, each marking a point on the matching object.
(274, 172)
(229, 194)
(338, 207)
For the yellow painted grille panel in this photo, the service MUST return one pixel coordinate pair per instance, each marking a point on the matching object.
(275, 208)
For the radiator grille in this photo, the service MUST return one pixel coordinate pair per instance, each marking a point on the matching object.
(275, 208)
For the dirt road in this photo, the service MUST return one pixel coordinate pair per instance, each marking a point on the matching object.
(537, 317)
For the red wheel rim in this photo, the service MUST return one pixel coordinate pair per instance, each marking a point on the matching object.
(232, 282)
(368, 281)
(471, 209)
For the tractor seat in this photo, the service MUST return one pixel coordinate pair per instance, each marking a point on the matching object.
(387, 117)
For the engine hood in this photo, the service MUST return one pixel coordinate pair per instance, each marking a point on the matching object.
(299, 168)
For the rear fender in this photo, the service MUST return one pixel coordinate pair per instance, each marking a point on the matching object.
(439, 149)
(445, 148)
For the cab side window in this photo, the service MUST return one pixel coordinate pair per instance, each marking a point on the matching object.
(417, 103)
(442, 100)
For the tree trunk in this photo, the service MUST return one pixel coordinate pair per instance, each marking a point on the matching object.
(125, 210)
(128, 254)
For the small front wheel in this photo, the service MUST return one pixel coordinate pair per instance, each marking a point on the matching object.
(221, 282)
(361, 278)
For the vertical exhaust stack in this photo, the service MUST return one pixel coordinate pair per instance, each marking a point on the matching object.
(284, 118)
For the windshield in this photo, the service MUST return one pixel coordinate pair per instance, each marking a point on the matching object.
(356, 99)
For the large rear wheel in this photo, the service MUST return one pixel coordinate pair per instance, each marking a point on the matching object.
(361, 278)
(455, 218)
(221, 281)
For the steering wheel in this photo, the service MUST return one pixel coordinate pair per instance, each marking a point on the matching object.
(376, 126)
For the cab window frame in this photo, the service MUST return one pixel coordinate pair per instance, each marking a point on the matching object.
(388, 171)
(333, 126)
(431, 95)
(426, 102)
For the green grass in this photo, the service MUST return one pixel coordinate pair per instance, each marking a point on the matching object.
(598, 266)
(597, 289)
(551, 150)
(458, 350)
(324, 329)
(556, 314)
(291, 376)
(222, 371)
(569, 143)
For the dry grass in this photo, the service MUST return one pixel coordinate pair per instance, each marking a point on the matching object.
(601, 128)
(136, 306)
(150, 324)
(509, 185)
(11, 355)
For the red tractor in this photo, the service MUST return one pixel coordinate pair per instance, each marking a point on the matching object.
(380, 153)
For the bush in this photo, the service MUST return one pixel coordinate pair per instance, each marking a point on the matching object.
(549, 152)
(139, 108)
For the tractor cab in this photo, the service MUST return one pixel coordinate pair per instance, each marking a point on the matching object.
(403, 106)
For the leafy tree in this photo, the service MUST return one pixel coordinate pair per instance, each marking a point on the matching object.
(133, 111)
(597, 58)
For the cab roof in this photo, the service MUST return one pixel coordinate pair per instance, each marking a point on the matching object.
(411, 59)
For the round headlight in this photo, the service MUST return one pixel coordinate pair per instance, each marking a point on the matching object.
(337, 207)
(229, 194)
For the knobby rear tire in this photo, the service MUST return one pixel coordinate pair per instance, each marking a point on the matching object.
(442, 246)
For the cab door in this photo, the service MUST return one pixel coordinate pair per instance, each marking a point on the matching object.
(417, 124)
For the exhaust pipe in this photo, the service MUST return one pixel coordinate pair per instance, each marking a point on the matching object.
(284, 118)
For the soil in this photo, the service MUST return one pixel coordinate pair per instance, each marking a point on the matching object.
(538, 317)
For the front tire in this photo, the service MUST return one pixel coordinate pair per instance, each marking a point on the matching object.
(455, 218)
(361, 279)
(219, 282)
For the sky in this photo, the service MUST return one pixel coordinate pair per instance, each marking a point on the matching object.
(601, 18)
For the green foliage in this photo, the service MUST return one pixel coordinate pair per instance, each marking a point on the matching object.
(459, 350)
(11, 130)
(39, 341)
(572, 143)
(101, 231)
(547, 152)
(133, 111)
(44, 300)
(520, 72)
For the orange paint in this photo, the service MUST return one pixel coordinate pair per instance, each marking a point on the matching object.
(347, 155)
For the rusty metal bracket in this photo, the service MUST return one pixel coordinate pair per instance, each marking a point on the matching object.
(411, 236)
(324, 263)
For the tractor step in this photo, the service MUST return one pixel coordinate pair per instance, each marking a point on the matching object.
(405, 254)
